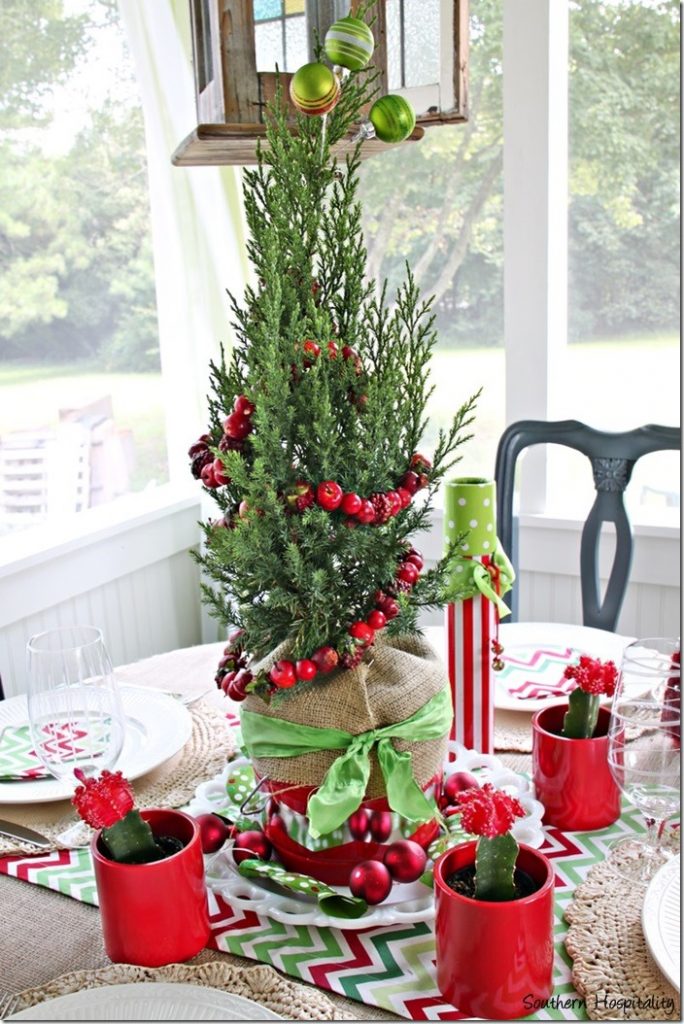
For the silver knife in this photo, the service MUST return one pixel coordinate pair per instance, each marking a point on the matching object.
(26, 835)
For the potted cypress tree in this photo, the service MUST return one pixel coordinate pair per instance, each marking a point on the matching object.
(313, 454)
(570, 767)
(494, 913)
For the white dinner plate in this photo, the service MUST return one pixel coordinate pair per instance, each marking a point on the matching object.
(157, 726)
(523, 642)
(158, 1000)
(660, 920)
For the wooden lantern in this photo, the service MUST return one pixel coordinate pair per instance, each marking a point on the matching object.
(421, 52)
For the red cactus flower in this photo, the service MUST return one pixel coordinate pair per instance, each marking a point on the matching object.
(594, 676)
(489, 812)
(104, 801)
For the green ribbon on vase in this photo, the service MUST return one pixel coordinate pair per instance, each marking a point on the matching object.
(470, 516)
(344, 786)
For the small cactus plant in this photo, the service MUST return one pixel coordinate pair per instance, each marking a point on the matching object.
(489, 814)
(594, 679)
(107, 803)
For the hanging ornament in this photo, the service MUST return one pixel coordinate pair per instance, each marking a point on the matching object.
(349, 43)
(314, 89)
(393, 118)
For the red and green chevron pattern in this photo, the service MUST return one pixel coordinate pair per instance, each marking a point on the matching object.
(388, 967)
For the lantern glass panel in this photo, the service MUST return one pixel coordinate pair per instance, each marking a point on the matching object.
(268, 37)
(395, 78)
(296, 43)
(421, 32)
(265, 10)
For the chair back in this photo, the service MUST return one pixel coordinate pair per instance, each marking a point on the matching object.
(612, 457)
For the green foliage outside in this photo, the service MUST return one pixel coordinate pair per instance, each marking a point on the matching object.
(76, 272)
(439, 203)
(76, 275)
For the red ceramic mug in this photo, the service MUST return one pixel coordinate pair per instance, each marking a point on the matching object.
(494, 960)
(572, 777)
(154, 914)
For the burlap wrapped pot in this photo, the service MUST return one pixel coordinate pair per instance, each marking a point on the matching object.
(395, 680)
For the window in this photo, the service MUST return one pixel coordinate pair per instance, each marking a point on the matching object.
(280, 32)
(81, 416)
(622, 361)
(438, 204)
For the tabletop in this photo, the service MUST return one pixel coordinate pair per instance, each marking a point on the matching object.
(59, 934)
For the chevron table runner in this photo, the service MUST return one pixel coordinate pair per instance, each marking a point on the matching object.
(388, 967)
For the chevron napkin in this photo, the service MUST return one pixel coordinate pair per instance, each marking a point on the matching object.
(18, 759)
(534, 673)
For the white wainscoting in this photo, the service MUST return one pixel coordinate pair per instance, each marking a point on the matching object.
(128, 571)
(549, 581)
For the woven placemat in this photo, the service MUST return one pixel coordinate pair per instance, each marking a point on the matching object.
(171, 785)
(612, 967)
(260, 984)
(513, 731)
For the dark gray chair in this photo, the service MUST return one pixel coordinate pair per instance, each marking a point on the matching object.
(612, 458)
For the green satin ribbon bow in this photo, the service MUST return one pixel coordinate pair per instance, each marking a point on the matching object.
(344, 785)
(470, 577)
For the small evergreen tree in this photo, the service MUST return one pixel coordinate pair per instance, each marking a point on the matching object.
(327, 385)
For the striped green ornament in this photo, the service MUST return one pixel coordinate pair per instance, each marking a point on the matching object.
(314, 89)
(349, 42)
(393, 118)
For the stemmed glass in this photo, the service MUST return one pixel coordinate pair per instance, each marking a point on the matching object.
(644, 750)
(74, 707)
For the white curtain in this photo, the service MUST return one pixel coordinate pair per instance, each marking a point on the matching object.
(197, 222)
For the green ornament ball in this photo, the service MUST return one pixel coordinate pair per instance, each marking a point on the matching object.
(314, 89)
(349, 42)
(393, 118)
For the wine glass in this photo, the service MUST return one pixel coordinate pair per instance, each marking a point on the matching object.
(75, 712)
(644, 750)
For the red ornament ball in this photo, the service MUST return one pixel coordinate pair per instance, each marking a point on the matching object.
(251, 844)
(389, 608)
(410, 482)
(456, 783)
(208, 477)
(381, 825)
(358, 824)
(405, 860)
(404, 497)
(370, 881)
(213, 832)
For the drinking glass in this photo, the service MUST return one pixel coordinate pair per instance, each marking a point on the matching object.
(74, 706)
(644, 750)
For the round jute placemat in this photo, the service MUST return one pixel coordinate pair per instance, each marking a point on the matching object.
(171, 785)
(612, 967)
(260, 984)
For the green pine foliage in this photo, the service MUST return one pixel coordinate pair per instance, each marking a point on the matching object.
(306, 576)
